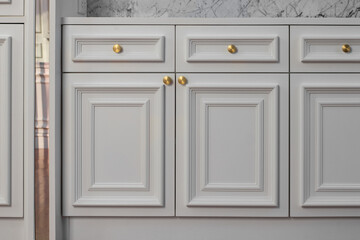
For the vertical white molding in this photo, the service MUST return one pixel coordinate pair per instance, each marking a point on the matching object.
(56, 225)
(29, 115)
(5, 120)
(57, 10)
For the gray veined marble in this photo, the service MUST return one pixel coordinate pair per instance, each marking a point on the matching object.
(224, 8)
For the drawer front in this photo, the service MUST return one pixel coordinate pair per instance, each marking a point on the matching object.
(11, 7)
(325, 49)
(232, 49)
(118, 49)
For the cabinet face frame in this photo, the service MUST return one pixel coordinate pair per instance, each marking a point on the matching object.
(11, 120)
(88, 190)
(314, 190)
(265, 94)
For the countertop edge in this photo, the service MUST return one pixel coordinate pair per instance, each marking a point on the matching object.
(208, 21)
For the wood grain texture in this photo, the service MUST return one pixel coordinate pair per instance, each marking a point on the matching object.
(42, 194)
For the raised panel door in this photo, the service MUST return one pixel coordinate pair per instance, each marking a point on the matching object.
(11, 120)
(118, 132)
(232, 145)
(325, 149)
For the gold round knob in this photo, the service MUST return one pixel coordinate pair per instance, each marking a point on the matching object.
(117, 48)
(182, 80)
(232, 48)
(346, 48)
(167, 80)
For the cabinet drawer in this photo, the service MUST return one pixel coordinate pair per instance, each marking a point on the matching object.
(118, 49)
(232, 49)
(11, 8)
(325, 49)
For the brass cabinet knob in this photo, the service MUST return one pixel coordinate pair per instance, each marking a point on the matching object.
(117, 48)
(346, 48)
(182, 80)
(167, 80)
(232, 48)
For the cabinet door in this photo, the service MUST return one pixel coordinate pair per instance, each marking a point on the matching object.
(325, 145)
(232, 145)
(11, 120)
(118, 145)
(11, 7)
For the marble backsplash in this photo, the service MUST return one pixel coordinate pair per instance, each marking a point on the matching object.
(224, 8)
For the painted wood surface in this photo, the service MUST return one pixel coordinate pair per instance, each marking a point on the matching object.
(118, 140)
(144, 49)
(319, 49)
(257, 49)
(193, 227)
(325, 114)
(232, 140)
(11, 8)
(11, 120)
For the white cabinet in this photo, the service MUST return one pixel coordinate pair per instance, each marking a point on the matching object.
(232, 49)
(325, 117)
(11, 8)
(118, 129)
(325, 145)
(11, 120)
(118, 143)
(232, 145)
(232, 134)
(232, 121)
(138, 48)
(325, 49)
